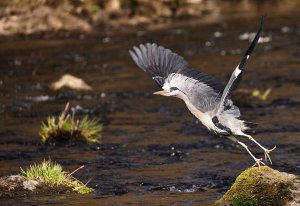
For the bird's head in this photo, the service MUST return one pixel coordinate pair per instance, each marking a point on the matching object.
(170, 92)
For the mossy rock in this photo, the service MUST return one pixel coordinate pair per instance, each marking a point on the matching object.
(264, 187)
(45, 178)
(18, 185)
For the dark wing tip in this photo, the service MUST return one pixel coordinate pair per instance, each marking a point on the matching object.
(262, 19)
(253, 43)
(256, 38)
(238, 72)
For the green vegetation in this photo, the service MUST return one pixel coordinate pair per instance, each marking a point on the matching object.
(263, 96)
(67, 128)
(243, 202)
(52, 175)
(255, 187)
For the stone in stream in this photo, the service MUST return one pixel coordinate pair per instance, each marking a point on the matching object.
(44, 178)
(267, 187)
(15, 185)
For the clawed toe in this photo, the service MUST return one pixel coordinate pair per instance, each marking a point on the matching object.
(267, 156)
(258, 162)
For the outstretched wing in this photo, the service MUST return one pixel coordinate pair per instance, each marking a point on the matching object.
(239, 70)
(157, 62)
(164, 66)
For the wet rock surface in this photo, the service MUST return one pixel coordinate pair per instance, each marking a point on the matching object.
(18, 185)
(263, 187)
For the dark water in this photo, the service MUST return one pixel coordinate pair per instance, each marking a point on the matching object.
(154, 152)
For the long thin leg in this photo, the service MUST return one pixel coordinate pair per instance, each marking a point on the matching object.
(257, 161)
(266, 151)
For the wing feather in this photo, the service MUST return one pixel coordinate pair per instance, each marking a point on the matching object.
(164, 66)
(239, 70)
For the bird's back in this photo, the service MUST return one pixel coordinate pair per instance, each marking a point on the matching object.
(202, 96)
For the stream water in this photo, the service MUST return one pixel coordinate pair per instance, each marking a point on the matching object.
(154, 152)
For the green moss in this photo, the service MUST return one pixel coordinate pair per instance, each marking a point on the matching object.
(67, 128)
(258, 187)
(52, 175)
(243, 202)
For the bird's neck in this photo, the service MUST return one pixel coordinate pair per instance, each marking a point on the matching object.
(203, 117)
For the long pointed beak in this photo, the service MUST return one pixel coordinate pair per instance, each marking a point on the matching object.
(163, 92)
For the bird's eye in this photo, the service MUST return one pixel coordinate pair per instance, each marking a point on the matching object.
(173, 88)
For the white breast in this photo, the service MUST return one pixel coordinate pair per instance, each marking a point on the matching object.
(204, 118)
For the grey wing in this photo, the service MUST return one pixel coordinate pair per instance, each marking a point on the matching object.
(157, 61)
(238, 72)
(164, 66)
(204, 93)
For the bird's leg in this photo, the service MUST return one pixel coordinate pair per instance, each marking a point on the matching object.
(266, 151)
(257, 161)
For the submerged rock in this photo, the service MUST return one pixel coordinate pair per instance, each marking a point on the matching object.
(267, 187)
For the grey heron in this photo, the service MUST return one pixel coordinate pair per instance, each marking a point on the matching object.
(206, 98)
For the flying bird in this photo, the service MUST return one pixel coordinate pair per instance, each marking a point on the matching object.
(205, 97)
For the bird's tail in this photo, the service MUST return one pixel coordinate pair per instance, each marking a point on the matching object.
(250, 125)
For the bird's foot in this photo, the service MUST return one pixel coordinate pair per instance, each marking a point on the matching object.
(258, 162)
(267, 156)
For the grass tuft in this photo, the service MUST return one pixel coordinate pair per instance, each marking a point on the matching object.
(52, 175)
(67, 128)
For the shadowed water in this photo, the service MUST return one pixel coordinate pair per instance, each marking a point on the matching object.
(154, 152)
